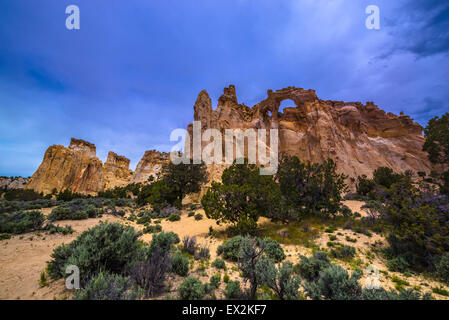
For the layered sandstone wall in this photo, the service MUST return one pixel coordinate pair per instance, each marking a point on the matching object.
(76, 168)
(116, 171)
(359, 137)
(150, 165)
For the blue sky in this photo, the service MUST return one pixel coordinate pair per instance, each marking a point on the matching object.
(132, 73)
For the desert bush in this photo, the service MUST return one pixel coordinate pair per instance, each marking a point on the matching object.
(5, 236)
(191, 289)
(106, 247)
(398, 264)
(334, 283)
(77, 209)
(174, 217)
(68, 195)
(343, 252)
(233, 290)
(274, 250)
(151, 270)
(215, 281)
(311, 188)
(442, 267)
(180, 264)
(106, 286)
(230, 250)
(152, 229)
(404, 294)
(202, 253)
(52, 229)
(198, 216)
(189, 245)
(219, 264)
(167, 212)
(309, 268)
(163, 241)
(22, 195)
(281, 280)
(243, 196)
(21, 221)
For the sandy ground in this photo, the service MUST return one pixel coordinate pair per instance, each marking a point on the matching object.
(24, 257)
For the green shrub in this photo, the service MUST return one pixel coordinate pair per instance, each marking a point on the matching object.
(273, 250)
(219, 264)
(152, 229)
(198, 216)
(180, 264)
(174, 217)
(191, 289)
(202, 253)
(106, 286)
(164, 241)
(442, 267)
(334, 283)
(106, 247)
(5, 236)
(191, 214)
(309, 268)
(230, 250)
(21, 221)
(215, 281)
(233, 291)
(343, 252)
(398, 264)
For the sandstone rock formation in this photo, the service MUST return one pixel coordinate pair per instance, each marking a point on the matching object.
(150, 165)
(358, 137)
(76, 168)
(9, 183)
(116, 171)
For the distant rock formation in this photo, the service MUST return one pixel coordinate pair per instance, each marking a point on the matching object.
(10, 183)
(76, 167)
(150, 165)
(116, 171)
(360, 138)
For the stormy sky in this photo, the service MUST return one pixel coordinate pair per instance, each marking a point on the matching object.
(132, 73)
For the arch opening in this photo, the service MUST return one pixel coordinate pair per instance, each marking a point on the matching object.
(287, 103)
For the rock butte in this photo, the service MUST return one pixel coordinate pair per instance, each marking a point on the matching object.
(360, 138)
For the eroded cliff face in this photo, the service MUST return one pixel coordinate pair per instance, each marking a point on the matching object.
(76, 168)
(116, 171)
(150, 165)
(359, 137)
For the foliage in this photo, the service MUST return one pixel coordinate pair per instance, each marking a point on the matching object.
(233, 290)
(163, 241)
(180, 264)
(189, 245)
(343, 252)
(159, 194)
(21, 221)
(243, 196)
(68, 195)
(311, 188)
(274, 250)
(106, 286)
(22, 195)
(281, 280)
(191, 289)
(106, 247)
(174, 217)
(231, 249)
(334, 283)
(309, 268)
(442, 267)
(198, 216)
(219, 264)
(437, 139)
(364, 185)
(77, 209)
(151, 270)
